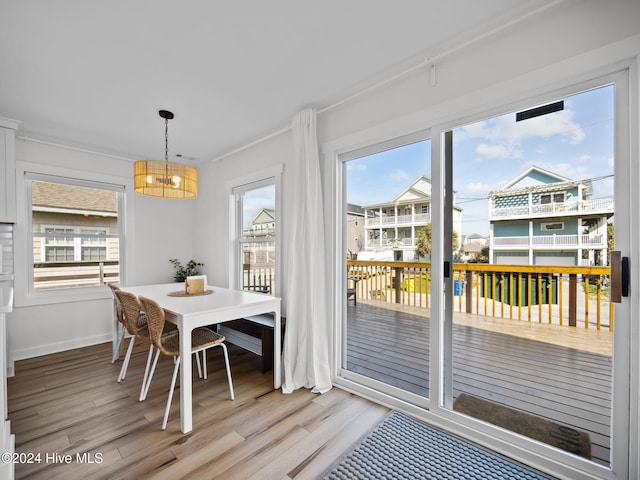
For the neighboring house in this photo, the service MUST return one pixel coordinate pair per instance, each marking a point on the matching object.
(75, 235)
(354, 231)
(541, 218)
(472, 246)
(392, 227)
(259, 257)
(263, 225)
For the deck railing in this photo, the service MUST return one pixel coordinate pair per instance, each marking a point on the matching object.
(258, 278)
(592, 206)
(415, 219)
(563, 296)
(49, 275)
(551, 241)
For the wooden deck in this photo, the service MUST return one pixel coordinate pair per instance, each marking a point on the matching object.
(539, 369)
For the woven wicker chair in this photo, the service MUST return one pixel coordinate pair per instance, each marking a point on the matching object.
(125, 331)
(135, 323)
(201, 339)
(117, 311)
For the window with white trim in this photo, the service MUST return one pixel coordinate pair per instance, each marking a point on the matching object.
(75, 232)
(69, 244)
(256, 236)
(548, 198)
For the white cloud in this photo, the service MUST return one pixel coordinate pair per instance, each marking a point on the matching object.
(475, 130)
(611, 162)
(506, 129)
(498, 151)
(585, 158)
(504, 135)
(569, 170)
(477, 188)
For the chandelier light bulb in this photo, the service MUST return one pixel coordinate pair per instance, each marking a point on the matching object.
(164, 178)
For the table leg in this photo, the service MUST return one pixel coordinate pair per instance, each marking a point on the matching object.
(186, 416)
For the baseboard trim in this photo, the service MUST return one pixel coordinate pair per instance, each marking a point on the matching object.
(40, 350)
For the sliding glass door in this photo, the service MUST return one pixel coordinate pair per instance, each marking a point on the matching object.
(532, 342)
(387, 225)
(477, 280)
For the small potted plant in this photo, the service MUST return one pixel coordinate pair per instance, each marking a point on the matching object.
(183, 271)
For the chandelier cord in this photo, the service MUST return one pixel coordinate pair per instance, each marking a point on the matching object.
(166, 139)
(165, 179)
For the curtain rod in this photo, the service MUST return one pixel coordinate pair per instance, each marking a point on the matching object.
(427, 61)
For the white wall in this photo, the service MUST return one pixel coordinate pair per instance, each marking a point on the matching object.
(528, 58)
(156, 230)
(211, 217)
(573, 42)
(568, 42)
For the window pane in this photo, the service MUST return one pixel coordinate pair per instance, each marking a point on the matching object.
(75, 235)
(59, 254)
(537, 375)
(387, 277)
(259, 212)
(257, 239)
(258, 266)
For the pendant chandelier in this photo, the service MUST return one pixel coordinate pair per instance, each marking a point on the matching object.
(165, 179)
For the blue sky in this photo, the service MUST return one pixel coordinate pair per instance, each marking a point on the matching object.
(254, 201)
(576, 143)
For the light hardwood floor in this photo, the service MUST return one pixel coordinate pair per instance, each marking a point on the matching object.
(70, 404)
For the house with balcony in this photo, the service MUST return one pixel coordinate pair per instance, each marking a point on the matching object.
(354, 230)
(259, 252)
(263, 225)
(541, 218)
(79, 106)
(391, 228)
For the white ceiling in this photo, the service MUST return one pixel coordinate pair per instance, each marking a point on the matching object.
(93, 74)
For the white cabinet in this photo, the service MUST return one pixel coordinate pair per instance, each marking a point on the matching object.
(7, 440)
(7, 170)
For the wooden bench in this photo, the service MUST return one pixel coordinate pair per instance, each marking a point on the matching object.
(254, 333)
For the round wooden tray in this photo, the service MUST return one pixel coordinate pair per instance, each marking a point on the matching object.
(182, 293)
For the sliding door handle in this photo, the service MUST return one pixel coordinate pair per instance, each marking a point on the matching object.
(619, 277)
(625, 276)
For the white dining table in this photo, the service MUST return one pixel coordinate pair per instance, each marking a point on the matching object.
(189, 312)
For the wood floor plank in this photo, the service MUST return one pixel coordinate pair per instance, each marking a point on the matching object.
(202, 457)
(79, 409)
(326, 452)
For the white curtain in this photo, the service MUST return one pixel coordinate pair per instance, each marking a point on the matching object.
(307, 332)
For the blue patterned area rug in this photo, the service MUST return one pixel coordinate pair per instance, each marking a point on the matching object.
(402, 447)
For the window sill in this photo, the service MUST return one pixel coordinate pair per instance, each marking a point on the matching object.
(67, 295)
